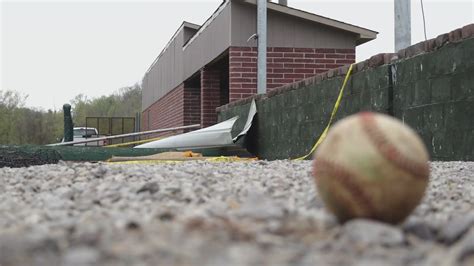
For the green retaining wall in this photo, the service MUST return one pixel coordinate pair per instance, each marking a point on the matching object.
(432, 92)
(26, 155)
(287, 124)
(12, 155)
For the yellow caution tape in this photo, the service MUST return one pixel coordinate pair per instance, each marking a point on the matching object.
(147, 162)
(132, 143)
(221, 159)
(333, 114)
(230, 159)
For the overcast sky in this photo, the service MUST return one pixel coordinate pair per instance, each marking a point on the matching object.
(53, 51)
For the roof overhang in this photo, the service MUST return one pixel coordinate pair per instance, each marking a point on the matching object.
(363, 35)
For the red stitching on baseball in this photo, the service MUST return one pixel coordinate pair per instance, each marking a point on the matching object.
(345, 177)
(389, 151)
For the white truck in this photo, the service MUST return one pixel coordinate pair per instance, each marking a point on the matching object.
(82, 133)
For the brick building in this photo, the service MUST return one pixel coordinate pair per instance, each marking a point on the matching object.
(204, 67)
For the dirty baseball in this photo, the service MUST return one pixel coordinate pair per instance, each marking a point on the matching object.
(371, 166)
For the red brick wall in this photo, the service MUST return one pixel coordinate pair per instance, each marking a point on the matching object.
(192, 106)
(185, 106)
(179, 107)
(284, 65)
(210, 96)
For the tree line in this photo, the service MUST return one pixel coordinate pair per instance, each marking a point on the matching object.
(24, 125)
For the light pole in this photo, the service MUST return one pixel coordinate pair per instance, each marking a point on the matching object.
(262, 46)
(402, 24)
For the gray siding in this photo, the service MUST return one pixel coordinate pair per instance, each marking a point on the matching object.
(166, 74)
(188, 33)
(286, 31)
(177, 64)
(208, 44)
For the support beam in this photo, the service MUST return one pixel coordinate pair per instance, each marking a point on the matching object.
(402, 24)
(262, 46)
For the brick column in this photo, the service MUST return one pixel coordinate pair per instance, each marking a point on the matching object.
(192, 106)
(242, 72)
(210, 96)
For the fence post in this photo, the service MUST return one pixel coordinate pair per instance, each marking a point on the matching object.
(68, 124)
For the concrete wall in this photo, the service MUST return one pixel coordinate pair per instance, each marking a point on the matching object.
(430, 87)
(434, 93)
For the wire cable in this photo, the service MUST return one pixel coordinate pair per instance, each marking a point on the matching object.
(424, 21)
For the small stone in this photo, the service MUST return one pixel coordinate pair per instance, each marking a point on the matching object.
(467, 249)
(369, 233)
(100, 171)
(65, 193)
(456, 228)
(257, 205)
(132, 225)
(81, 256)
(151, 187)
(173, 190)
(419, 229)
(166, 216)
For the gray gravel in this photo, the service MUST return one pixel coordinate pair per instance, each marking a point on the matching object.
(201, 213)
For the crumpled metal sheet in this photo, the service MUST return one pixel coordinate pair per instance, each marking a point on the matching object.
(218, 135)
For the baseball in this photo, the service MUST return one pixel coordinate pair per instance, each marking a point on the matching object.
(371, 166)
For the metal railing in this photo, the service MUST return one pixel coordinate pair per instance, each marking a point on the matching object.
(125, 135)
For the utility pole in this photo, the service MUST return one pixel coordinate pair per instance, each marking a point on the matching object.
(402, 24)
(262, 46)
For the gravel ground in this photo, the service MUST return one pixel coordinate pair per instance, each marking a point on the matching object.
(201, 213)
